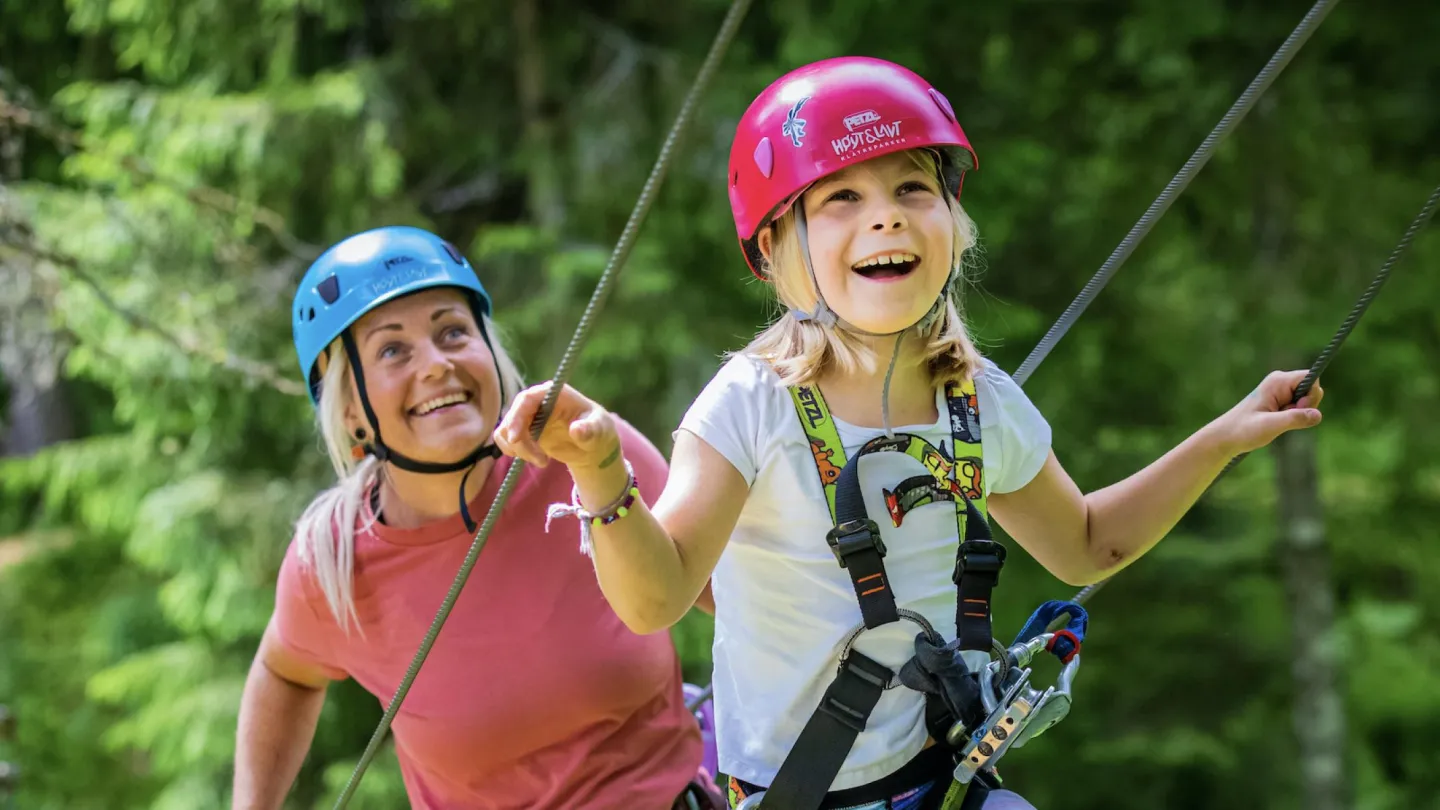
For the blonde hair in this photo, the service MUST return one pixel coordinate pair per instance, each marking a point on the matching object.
(325, 532)
(802, 351)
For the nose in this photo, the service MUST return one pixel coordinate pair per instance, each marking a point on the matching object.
(887, 215)
(434, 362)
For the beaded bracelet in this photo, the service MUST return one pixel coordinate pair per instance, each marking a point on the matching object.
(611, 512)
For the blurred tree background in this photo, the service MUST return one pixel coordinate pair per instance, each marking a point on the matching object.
(167, 170)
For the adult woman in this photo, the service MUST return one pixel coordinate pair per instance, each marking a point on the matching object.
(535, 694)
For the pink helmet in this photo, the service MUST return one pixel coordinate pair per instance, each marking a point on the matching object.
(820, 118)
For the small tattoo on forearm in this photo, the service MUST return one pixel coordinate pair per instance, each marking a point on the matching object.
(612, 458)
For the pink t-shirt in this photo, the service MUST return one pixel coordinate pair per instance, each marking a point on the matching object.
(535, 695)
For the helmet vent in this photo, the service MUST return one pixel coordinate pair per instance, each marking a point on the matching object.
(454, 254)
(764, 157)
(329, 290)
(944, 104)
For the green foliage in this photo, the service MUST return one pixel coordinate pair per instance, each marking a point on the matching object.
(217, 146)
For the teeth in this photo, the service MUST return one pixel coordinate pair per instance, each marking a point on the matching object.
(440, 402)
(889, 258)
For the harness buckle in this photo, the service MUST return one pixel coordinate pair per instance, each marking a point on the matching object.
(853, 537)
(979, 556)
(856, 665)
(845, 715)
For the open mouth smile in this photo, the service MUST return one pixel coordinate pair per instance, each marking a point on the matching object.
(887, 266)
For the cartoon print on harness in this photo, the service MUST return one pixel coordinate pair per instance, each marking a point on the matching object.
(915, 492)
(968, 476)
(948, 479)
(829, 473)
(964, 417)
(938, 462)
(962, 476)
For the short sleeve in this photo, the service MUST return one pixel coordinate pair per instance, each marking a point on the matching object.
(1013, 433)
(299, 623)
(728, 413)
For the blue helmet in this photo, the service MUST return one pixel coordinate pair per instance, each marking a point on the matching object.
(365, 271)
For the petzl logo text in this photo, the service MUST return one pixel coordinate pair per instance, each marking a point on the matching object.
(854, 121)
(812, 408)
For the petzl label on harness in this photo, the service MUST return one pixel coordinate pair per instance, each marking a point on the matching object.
(824, 439)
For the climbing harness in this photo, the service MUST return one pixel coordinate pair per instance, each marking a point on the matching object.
(562, 374)
(977, 716)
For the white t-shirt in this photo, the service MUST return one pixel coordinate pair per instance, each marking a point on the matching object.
(784, 606)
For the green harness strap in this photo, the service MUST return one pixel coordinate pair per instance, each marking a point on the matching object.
(962, 471)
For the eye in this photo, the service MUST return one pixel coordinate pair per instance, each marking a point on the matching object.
(453, 334)
(843, 195)
(390, 351)
(915, 185)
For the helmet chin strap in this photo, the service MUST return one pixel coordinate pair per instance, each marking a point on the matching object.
(384, 453)
(827, 317)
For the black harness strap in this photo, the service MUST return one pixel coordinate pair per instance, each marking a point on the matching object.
(805, 776)
(856, 542)
(977, 571)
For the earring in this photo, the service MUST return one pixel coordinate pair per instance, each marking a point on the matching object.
(360, 434)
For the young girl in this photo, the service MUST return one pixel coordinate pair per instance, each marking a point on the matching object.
(845, 186)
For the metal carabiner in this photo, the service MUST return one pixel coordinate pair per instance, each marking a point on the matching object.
(1054, 705)
(1014, 718)
(995, 735)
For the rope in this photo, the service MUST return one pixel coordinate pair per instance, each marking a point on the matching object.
(1157, 209)
(582, 331)
(1325, 356)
